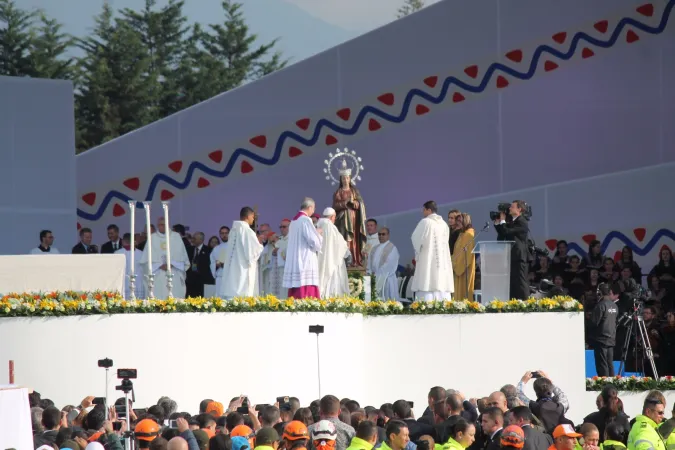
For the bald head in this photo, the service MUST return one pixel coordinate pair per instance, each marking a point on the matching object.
(178, 443)
(497, 400)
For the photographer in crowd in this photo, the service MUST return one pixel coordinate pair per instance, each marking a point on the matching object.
(603, 328)
(516, 229)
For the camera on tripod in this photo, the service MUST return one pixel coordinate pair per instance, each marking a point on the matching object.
(504, 208)
(126, 386)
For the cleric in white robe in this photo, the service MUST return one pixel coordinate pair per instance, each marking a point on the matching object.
(301, 271)
(278, 261)
(216, 266)
(240, 259)
(383, 264)
(433, 272)
(139, 284)
(265, 264)
(333, 281)
(180, 262)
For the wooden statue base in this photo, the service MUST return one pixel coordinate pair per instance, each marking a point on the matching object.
(356, 269)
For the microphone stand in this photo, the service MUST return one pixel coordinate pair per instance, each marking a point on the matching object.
(466, 259)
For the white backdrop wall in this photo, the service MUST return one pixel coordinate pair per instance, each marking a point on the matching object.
(538, 92)
(37, 163)
(266, 355)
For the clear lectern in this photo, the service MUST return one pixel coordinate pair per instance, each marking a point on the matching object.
(495, 270)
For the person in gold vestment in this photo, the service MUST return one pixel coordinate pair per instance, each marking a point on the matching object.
(351, 216)
(464, 260)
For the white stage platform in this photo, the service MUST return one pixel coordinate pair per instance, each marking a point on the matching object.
(221, 355)
(48, 273)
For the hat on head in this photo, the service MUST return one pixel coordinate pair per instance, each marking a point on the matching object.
(512, 436)
(266, 436)
(202, 439)
(215, 409)
(243, 431)
(329, 212)
(324, 431)
(565, 430)
(240, 443)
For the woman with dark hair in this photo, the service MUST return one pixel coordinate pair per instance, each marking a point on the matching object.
(462, 435)
(611, 411)
(594, 258)
(627, 262)
(304, 415)
(463, 259)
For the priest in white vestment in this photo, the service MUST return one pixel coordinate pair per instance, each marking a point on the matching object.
(216, 266)
(383, 264)
(333, 281)
(301, 271)
(279, 261)
(265, 263)
(138, 269)
(433, 271)
(180, 262)
(240, 259)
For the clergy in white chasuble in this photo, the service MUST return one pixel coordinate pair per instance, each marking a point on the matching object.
(301, 271)
(383, 264)
(333, 281)
(180, 262)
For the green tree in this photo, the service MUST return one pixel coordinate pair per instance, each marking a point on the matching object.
(16, 38)
(48, 51)
(409, 7)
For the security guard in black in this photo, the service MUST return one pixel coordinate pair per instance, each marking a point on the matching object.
(603, 328)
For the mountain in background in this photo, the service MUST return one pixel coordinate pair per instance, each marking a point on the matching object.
(301, 34)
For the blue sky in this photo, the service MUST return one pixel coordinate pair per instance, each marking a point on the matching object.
(306, 27)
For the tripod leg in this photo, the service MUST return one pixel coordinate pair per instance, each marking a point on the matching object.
(647, 347)
(624, 350)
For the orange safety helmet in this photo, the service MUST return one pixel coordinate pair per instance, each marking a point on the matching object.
(243, 431)
(295, 430)
(146, 430)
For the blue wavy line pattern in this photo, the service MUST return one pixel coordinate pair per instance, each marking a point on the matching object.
(612, 235)
(373, 111)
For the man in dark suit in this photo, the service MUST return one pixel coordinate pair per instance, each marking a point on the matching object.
(200, 267)
(492, 423)
(403, 412)
(114, 242)
(84, 246)
(516, 230)
(534, 439)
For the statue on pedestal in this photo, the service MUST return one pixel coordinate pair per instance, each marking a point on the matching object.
(348, 203)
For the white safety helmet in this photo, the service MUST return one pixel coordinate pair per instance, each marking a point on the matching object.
(325, 431)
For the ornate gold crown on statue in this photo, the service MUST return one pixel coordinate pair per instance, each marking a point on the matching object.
(345, 163)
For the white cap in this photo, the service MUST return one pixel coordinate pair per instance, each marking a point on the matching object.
(329, 212)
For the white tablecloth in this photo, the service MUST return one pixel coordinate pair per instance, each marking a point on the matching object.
(15, 427)
(45, 273)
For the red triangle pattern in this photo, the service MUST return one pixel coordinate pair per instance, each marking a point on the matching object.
(331, 140)
(246, 167)
(640, 234)
(132, 183)
(502, 82)
(303, 124)
(617, 256)
(471, 71)
(431, 81)
(560, 37)
(89, 198)
(294, 151)
(587, 53)
(551, 244)
(632, 36)
(374, 125)
(387, 99)
(646, 9)
(259, 141)
(515, 55)
(588, 238)
(118, 210)
(176, 166)
(549, 66)
(78, 226)
(216, 156)
(601, 26)
(457, 97)
(166, 195)
(344, 113)
(203, 182)
(420, 110)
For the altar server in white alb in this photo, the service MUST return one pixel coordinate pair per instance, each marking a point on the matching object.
(333, 280)
(138, 269)
(45, 247)
(217, 266)
(240, 259)
(301, 271)
(433, 272)
(383, 264)
(180, 262)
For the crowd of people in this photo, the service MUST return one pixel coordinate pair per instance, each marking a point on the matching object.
(506, 418)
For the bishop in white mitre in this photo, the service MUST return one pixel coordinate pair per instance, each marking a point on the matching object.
(217, 266)
(383, 264)
(159, 265)
(301, 271)
(433, 278)
(333, 281)
(240, 259)
(139, 284)
(278, 261)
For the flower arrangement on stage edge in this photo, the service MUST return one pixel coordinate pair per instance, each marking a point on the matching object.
(89, 303)
(632, 383)
(356, 287)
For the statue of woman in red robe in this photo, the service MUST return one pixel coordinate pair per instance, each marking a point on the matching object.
(350, 219)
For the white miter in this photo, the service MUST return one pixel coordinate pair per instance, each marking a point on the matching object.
(328, 212)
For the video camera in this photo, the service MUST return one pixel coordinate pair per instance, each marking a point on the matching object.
(504, 208)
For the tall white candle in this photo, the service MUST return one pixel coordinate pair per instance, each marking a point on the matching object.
(132, 213)
(148, 242)
(167, 235)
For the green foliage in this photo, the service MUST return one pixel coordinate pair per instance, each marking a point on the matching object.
(136, 66)
(409, 7)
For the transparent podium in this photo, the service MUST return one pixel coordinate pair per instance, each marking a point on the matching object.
(495, 270)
